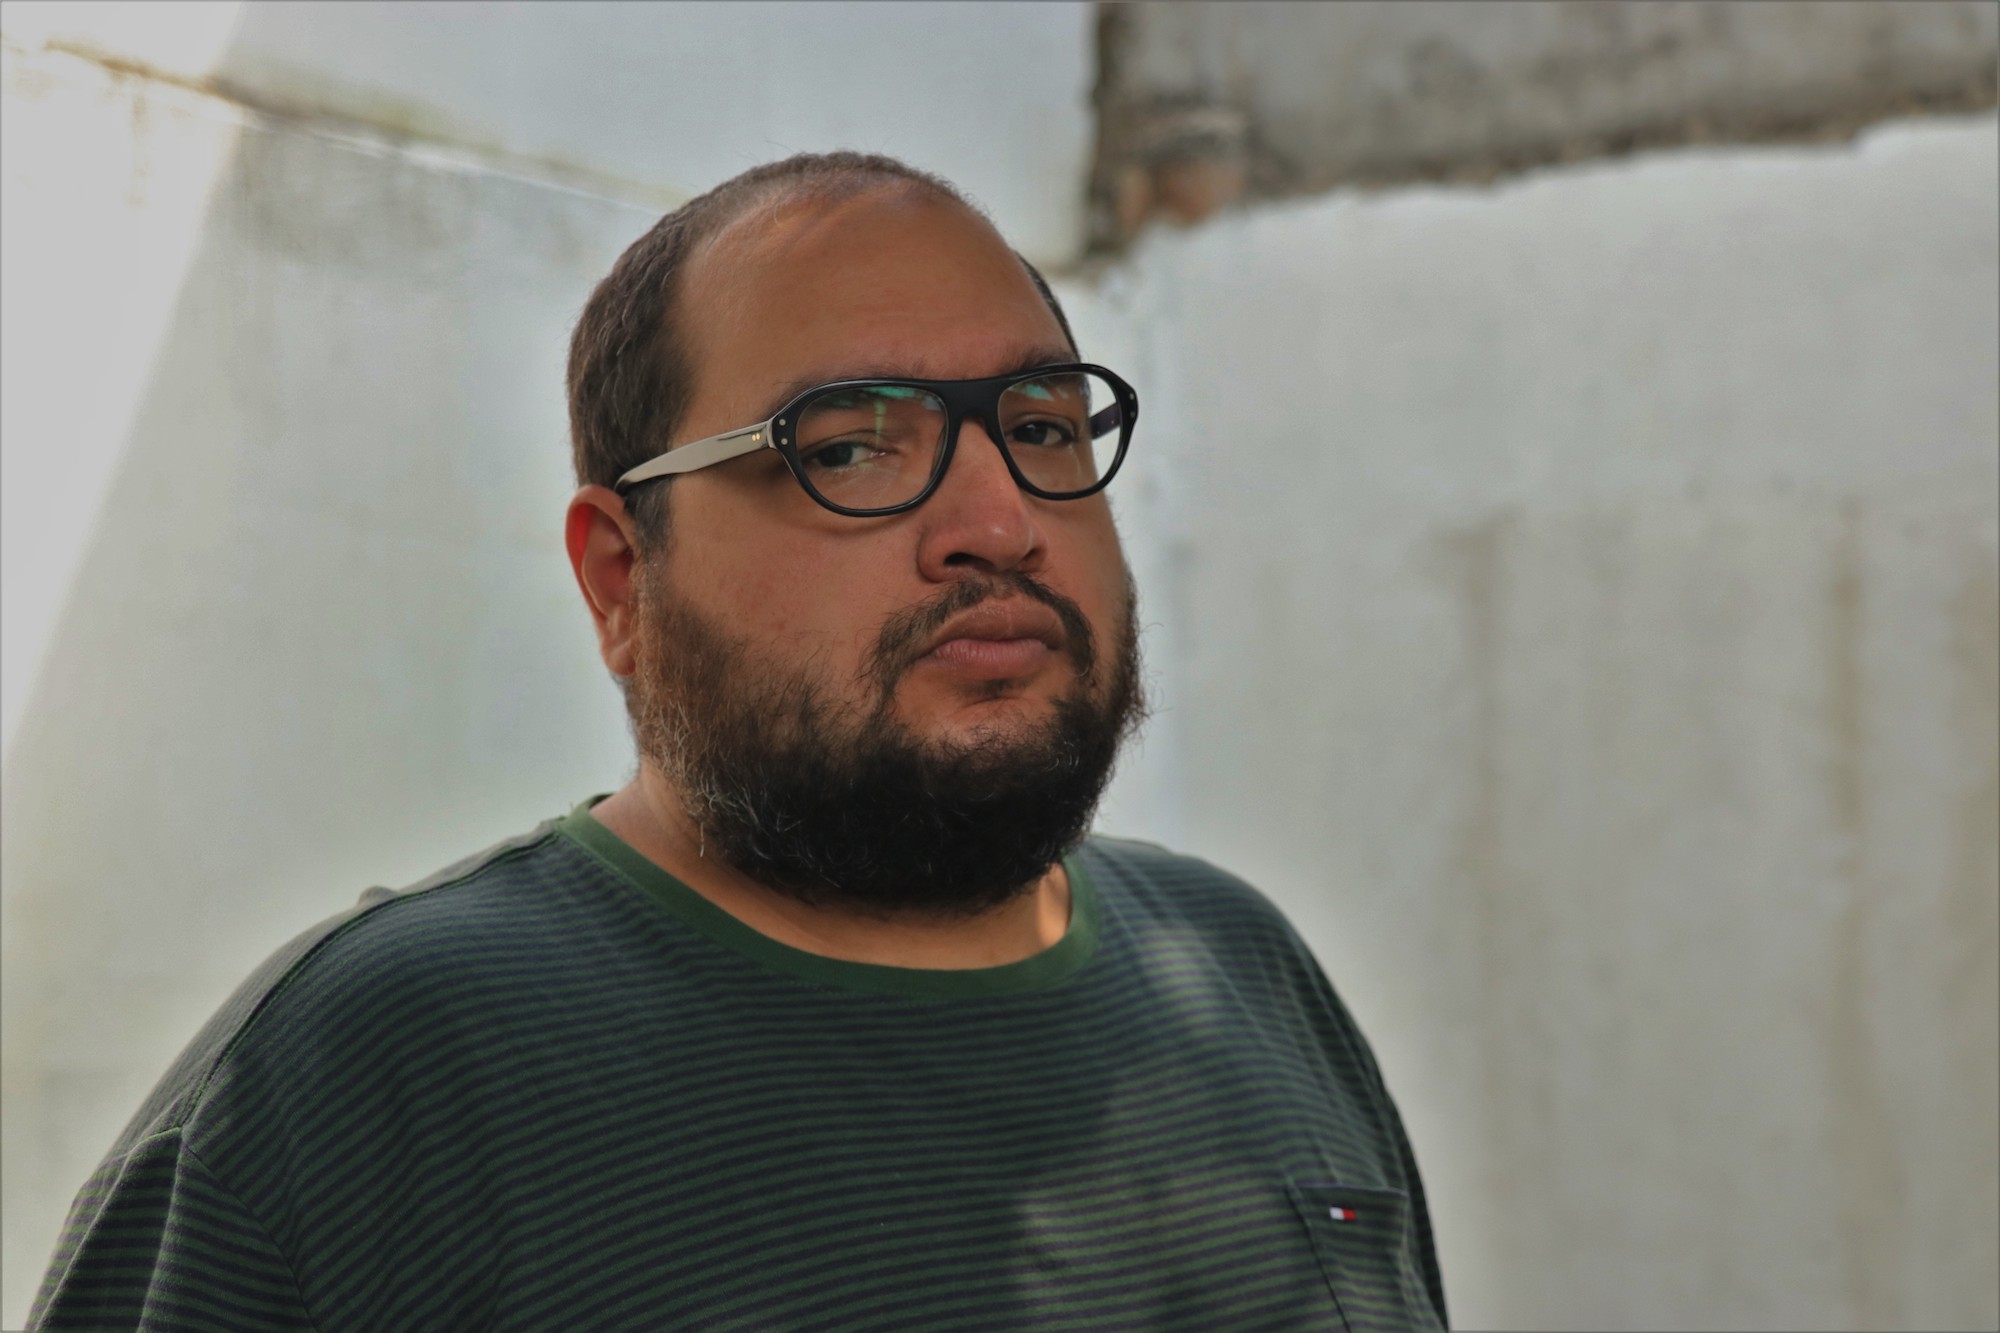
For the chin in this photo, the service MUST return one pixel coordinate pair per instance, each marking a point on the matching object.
(999, 716)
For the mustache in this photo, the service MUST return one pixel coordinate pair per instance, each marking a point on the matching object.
(905, 633)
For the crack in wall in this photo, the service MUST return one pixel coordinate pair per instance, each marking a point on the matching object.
(403, 127)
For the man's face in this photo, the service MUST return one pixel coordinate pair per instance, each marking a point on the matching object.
(884, 283)
(967, 667)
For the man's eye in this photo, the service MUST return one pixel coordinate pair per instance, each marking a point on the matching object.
(1043, 434)
(836, 454)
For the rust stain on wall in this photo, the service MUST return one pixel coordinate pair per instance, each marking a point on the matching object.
(1509, 935)
(1863, 1129)
(1972, 976)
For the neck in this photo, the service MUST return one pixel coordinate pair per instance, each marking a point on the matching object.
(648, 814)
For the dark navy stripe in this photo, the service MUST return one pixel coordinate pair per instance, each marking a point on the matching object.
(530, 1095)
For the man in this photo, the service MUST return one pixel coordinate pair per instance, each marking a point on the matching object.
(830, 1018)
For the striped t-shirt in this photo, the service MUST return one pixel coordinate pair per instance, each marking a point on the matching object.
(554, 1088)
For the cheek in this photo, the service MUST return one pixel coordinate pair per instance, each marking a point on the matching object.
(796, 593)
(1100, 575)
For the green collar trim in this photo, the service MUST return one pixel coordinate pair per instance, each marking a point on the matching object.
(1049, 968)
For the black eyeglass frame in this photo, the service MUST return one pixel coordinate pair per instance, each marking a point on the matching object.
(962, 399)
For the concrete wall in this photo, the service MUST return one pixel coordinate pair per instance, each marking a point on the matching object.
(1574, 600)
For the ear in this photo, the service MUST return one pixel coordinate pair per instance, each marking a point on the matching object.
(603, 552)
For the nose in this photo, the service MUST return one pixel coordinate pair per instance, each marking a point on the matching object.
(978, 519)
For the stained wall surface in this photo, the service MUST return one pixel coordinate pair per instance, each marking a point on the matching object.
(1575, 602)
(1574, 599)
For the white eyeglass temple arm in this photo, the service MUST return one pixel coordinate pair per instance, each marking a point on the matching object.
(701, 453)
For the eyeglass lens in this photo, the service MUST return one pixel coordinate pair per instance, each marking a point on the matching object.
(876, 446)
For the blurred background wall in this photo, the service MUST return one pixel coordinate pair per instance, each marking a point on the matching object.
(1565, 514)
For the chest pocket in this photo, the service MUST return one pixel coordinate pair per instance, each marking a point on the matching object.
(1361, 1238)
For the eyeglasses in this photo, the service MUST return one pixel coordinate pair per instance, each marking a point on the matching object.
(870, 447)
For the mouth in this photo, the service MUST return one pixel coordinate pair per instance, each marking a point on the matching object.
(997, 640)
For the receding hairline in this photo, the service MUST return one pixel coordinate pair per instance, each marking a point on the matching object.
(760, 222)
(763, 215)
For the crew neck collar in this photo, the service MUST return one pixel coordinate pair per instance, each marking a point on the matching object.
(1040, 971)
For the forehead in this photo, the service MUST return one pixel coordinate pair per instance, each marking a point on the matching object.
(888, 280)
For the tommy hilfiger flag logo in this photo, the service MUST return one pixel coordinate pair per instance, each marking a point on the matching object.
(1341, 1214)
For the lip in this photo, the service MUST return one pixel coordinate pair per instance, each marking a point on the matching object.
(997, 640)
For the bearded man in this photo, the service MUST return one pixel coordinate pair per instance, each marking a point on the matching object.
(832, 1017)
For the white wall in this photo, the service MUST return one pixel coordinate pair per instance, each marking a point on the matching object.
(645, 103)
(1590, 641)
(285, 451)
(317, 632)
(655, 101)
(1575, 602)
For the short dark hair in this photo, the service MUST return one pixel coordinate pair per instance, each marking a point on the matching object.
(630, 372)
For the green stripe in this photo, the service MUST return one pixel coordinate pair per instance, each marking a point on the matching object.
(556, 1088)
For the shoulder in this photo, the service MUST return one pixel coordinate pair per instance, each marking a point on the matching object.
(1180, 912)
(1167, 904)
(1157, 881)
(389, 934)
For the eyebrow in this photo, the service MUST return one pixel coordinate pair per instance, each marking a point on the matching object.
(1041, 356)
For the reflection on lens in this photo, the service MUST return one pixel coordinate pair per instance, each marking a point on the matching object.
(1054, 426)
(871, 447)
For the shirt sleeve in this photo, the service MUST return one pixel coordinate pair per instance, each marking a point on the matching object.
(156, 1243)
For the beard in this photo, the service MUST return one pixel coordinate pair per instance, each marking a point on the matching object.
(837, 803)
